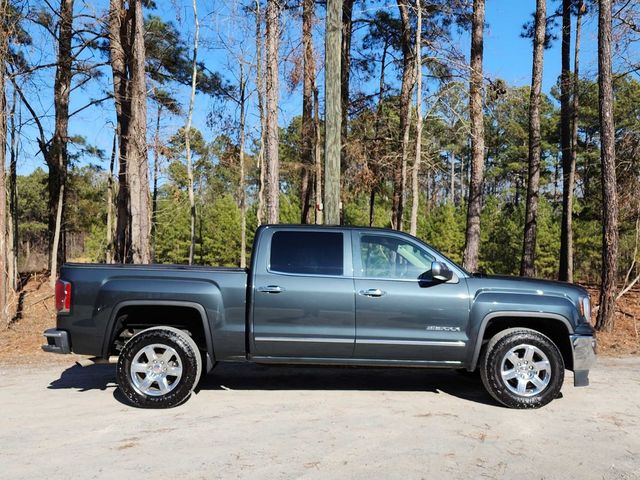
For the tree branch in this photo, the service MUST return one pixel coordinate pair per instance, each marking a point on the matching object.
(629, 286)
(42, 140)
(91, 103)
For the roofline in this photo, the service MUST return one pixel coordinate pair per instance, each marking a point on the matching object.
(299, 226)
(342, 227)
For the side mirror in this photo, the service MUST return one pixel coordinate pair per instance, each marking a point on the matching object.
(440, 272)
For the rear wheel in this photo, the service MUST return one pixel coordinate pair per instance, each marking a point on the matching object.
(522, 368)
(159, 367)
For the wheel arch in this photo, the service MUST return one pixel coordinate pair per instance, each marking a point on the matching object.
(134, 312)
(553, 325)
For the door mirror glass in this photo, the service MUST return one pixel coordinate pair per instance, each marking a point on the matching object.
(441, 272)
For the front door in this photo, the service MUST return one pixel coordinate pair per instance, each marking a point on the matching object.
(401, 313)
(303, 296)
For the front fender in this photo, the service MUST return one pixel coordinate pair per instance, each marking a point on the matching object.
(490, 305)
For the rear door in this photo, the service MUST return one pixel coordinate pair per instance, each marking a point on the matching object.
(303, 294)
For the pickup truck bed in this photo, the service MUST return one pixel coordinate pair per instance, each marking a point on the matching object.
(104, 294)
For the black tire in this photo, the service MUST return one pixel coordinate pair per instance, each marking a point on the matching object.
(493, 358)
(189, 359)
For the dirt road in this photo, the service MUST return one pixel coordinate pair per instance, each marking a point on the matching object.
(285, 422)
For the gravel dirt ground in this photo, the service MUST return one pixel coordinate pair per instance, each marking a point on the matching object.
(248, 421)
(63, 421)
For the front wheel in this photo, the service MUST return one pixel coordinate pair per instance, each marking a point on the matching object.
(159, 368)
(522, 368)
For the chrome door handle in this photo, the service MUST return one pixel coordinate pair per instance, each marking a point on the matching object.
(372, 292)
(271, 289)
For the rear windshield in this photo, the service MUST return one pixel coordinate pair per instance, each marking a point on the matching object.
(311, 253)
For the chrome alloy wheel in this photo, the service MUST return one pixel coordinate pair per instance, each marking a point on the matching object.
(156, 370)
(525, 370)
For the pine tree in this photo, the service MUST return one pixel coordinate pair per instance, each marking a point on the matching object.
(474, 208)
(527, 266)
(608, 158)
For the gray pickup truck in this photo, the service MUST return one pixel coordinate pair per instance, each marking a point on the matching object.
(324, 296)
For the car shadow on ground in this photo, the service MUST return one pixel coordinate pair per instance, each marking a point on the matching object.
(463, 385)
(83, 379)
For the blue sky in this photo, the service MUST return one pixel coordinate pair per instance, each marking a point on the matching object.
(506, 56)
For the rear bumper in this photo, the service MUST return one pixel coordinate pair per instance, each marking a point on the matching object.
(584, 357)
(57, 341)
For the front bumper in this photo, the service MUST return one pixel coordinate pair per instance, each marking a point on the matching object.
(584, 357)
(57, 341)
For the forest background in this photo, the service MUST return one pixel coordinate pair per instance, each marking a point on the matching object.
(141, 131)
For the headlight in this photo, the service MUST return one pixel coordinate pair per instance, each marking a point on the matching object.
(585, 308)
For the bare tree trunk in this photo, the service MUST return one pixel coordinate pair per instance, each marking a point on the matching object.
(242, 187)
(345, 74)
(566, 234)
(261, 180)
(137, 161)
(12, 273)
(568, 220)
(608, 159)
(317, 156)
(576, 86)
(429, 192)
(305, 194)
(474, 205)
(452, 179)
(119, 48)
(127, 58)
(415, 192)
(274, 8)
(527, 266)
(556, 176)
(332, 113)
(154, 188)
(308, 134)
(56, 238)
(4, 311)
(114, 151)
(187, 131)
(461, 186)
(122, 243)
(408, 71)
(13, 247)
(260, 92)
(58, 155)
(377, 141)
(200, 224)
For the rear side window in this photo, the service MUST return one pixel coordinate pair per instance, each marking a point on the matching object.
(314, 253)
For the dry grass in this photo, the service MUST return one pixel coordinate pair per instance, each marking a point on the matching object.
(624, 339)
(20, 342)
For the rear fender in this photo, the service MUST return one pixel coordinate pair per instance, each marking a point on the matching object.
(155, 303)
(203, 296)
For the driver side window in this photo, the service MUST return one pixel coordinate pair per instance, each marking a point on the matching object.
(390, 257)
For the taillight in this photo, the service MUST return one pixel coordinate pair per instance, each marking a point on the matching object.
(63, 296)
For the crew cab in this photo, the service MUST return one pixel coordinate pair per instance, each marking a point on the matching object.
(324, 295)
